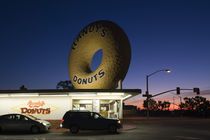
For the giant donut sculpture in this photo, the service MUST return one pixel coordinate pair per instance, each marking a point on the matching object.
(116, 57)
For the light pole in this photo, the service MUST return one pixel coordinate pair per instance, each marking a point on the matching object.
(147, 88)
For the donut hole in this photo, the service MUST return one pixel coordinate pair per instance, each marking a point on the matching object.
(96, 60)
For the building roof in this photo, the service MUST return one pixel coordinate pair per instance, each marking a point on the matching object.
(70, 90)
(123, 93)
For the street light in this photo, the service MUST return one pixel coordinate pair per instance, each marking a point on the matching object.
(147, 87)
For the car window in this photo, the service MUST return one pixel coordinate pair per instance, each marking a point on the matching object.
(8, 117)
(17, 117)
(95, 116)
(84, 115)
(32, 117)
(24, 118)
(76, 115)
(71, 115)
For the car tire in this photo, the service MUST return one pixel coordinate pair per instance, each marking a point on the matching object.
(112, 129)
(74, 129)
(0, 129)
(34, 129)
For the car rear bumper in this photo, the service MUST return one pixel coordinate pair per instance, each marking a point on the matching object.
(61, 125)
(119, 126)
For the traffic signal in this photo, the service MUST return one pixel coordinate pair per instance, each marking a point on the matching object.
(178, 90)
(197, 90)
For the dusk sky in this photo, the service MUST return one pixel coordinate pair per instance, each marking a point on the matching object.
(36, 38)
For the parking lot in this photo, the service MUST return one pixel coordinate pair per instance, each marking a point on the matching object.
(140, 129)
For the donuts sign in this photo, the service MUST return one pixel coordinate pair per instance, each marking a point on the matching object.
(35, 108)
(89, 80)
(112, 40)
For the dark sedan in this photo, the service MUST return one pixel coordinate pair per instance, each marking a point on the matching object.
(19, 122)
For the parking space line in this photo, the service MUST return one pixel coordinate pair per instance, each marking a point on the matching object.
(187, 138)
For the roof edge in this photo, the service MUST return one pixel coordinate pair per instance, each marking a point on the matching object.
(70, 90)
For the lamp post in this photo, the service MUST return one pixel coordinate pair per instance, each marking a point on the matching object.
(147, 87)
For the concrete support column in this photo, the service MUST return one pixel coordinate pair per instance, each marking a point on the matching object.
(121, 110)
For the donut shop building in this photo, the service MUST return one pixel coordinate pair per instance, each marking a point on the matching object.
(52, 104)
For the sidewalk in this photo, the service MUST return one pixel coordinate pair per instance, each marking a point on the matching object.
(139, 118)
(127, 127)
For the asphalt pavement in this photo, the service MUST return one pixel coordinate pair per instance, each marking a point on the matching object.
(139, 129)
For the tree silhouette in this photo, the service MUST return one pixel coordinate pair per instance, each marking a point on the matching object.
(181, 106)
(152, 104)
(163, 105)
(197, 103)
(166, 105)
(23, 87)
(160, 105)
(65, 85)
(197, 106)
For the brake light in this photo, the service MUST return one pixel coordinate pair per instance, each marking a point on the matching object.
(62, 120)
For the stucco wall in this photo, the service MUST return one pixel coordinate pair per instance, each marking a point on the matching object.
(56, 106)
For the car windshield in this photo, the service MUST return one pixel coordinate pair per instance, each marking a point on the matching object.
(101, 116)
(96, 115)
(32, 117)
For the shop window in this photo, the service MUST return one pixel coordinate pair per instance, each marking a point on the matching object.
(82, 105)
(114, 109)
(110, 108)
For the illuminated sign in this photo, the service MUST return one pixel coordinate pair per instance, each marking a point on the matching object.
(35, 108)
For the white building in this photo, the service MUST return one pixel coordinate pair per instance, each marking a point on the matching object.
(52, 104)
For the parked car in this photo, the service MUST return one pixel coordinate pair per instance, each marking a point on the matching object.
(19, 122)
(85, 120)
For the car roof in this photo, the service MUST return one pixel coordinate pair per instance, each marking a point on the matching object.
(78, 111)
(12, 114)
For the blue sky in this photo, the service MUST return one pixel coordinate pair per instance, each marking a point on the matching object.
(36, 37)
